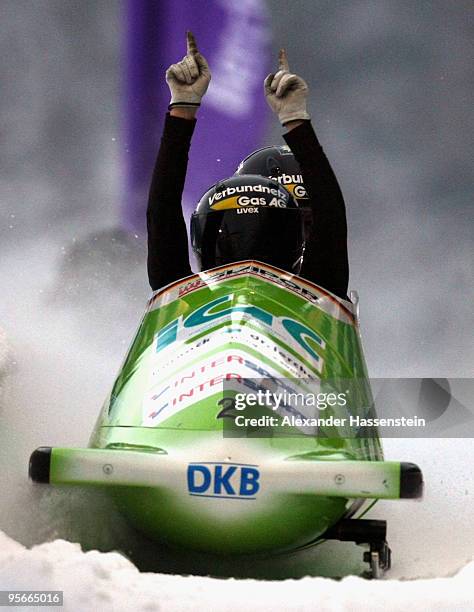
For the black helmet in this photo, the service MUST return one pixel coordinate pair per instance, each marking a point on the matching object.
(248, 217)
(278, 163)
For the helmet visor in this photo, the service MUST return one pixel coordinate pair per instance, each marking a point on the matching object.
(270, 235)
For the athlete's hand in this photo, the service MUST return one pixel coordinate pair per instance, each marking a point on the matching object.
(188, 80)
(286, 93)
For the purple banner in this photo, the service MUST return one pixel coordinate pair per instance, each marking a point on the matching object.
(234, 37)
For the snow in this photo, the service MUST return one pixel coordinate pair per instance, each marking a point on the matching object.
(3, 350)
(109, 582)
(4, 359)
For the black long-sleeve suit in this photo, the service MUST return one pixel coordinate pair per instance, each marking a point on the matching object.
(325, 260)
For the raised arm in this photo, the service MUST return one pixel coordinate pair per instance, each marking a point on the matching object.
(168, 258)
(325, 260)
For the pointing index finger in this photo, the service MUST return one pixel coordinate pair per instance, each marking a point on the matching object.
(283, 61)
(191, 43)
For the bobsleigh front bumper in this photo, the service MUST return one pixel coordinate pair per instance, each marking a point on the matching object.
(129, 468)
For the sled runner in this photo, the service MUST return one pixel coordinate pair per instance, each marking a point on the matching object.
(230, 429)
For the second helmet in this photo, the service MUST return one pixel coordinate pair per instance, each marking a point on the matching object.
(278, 163)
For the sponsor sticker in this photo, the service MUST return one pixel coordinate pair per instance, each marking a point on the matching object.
(223, 480)
(248, 195)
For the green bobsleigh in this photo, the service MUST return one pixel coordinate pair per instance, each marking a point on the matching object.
(230, 425)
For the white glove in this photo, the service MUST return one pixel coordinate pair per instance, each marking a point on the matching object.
(286, 93)
(188, 80)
